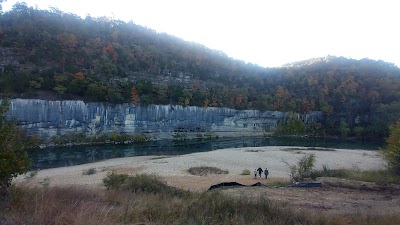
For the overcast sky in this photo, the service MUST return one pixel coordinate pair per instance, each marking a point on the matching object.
(264, 32)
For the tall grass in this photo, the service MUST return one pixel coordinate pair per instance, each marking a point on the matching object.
(55, 205)
(376, 176)
(217, 208)
(145, 199)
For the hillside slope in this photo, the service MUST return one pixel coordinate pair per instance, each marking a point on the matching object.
(55, 55)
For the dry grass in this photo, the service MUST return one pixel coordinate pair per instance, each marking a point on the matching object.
(205, 170)
(144, 200)
(376, 176)
(69, 205)
(360, 219)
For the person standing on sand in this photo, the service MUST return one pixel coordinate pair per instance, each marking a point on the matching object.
(255, 173)
(266, 172)
(259, 171)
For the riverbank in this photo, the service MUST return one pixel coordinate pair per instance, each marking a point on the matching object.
(174, 169)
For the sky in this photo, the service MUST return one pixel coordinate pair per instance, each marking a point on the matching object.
(263, 32)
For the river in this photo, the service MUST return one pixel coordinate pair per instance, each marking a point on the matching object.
(75, 155)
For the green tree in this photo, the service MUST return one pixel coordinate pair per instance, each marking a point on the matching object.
(293, 126)
(359, 132)
(343, 129)
(314, 129)
(13, 158)
(392, 152)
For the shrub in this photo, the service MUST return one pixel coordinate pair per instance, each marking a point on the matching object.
(204, 170)
(89, 171)
(303, 168)
(13, 158)
(142, 183)
(114, 181)
(245, 172)
(139, 138)
(32, 141)
(179, 136)
(392, 152)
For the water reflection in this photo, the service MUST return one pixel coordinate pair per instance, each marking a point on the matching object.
(69, 156)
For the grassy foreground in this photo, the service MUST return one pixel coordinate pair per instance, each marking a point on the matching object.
(145, 199)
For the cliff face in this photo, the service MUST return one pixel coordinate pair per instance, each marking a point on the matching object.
(50, 118)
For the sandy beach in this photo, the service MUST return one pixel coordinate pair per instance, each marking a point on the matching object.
(174, 169)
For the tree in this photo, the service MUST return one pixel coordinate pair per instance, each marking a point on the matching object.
(343, 129)
(359, 132)
(392, 152)
(293, 126)
(135, 99)
(13, 158)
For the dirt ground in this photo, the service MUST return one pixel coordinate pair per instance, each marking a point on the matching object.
(327, 199)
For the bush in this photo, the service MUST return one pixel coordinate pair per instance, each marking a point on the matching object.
(204, 170)
(115, 181)
(179, 136)
(139, 138)
(245, 172)
(90, 171)
(392, 152)
(303, 168)
(13, 158)
(142, 183)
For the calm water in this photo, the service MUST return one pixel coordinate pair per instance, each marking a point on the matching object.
(69, 156)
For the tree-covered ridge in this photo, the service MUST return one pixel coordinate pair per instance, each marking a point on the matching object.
(100, 59)
(110, 53)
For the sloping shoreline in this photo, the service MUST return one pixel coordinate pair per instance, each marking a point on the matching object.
(173, 169)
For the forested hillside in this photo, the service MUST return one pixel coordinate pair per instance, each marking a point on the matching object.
(56, 55)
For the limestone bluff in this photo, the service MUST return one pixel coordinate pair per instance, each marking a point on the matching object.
(54, 118)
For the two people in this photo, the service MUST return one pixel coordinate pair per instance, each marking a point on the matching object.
(260, 171)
